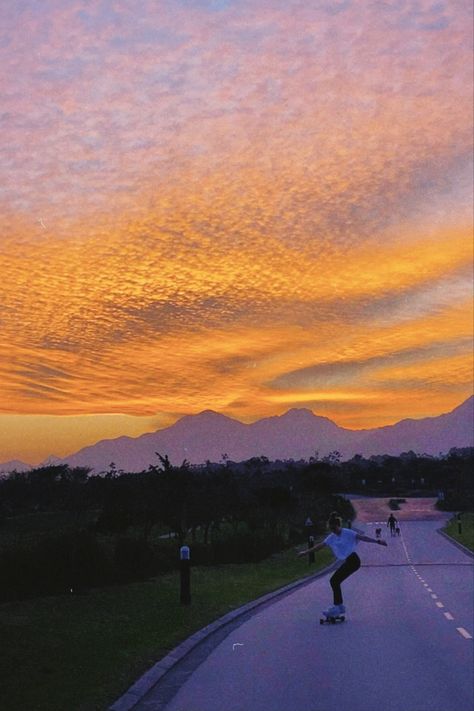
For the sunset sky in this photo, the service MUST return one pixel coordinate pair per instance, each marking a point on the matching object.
(241, 205)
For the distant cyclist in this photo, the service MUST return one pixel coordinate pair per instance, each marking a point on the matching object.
(392, 523)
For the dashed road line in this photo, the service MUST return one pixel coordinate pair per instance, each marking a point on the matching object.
(464, 633)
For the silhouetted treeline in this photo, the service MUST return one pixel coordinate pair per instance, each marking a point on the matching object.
(62, 528)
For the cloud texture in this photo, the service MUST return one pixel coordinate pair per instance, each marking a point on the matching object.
(235, 204)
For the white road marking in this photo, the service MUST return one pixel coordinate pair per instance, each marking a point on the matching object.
(464, 633)
(237, 644)
(406, 552)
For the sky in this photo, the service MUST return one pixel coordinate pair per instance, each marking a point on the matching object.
(237, 205)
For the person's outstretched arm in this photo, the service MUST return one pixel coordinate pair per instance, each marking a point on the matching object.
(378, 541)
(315, 548)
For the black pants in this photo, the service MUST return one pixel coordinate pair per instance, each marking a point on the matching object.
(350, 565)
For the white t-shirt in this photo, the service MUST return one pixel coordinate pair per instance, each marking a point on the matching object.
(342, 545)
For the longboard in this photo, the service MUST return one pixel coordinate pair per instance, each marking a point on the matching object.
(331, 620)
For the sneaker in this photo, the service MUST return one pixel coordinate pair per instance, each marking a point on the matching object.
(332, 611)
(342, 609)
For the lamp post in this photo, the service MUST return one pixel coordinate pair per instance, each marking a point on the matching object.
(185, 575)
(310, 528)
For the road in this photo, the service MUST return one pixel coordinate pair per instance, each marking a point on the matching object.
(406, 644)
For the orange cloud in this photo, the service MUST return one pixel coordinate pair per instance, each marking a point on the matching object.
(198, 204)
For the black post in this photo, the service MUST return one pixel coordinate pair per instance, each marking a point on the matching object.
(185, 570)
(309, 531)
(459, 524)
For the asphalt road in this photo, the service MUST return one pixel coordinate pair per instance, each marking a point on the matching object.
(406, 644)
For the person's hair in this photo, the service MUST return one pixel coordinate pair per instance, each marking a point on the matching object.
(334, 520)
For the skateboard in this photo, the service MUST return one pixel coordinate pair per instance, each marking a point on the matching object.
(331, 619)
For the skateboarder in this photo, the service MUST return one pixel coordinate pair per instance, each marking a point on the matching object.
(392, 522)
(343, 542)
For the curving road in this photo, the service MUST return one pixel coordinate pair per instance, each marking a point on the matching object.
(406, 645)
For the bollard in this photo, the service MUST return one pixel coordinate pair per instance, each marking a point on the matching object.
(459, 524)
(311, 558)
(185, 575)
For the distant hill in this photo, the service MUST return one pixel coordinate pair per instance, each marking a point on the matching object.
(430, 435)
(295, 435)
(14, 465)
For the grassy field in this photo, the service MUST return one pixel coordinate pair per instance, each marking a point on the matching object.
(81, 652)
(466, 537)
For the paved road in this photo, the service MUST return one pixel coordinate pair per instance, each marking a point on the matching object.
(406, 645)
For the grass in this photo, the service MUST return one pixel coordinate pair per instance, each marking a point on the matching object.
(81, 652)
(466, 537)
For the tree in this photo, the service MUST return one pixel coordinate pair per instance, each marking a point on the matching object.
(176, 488)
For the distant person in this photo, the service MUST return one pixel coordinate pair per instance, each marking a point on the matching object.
(342, 542)
(378, 533)
(392, 523)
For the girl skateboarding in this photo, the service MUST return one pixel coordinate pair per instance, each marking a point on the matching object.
(342, 542)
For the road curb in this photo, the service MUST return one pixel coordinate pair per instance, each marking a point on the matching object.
(155, 674)
(455, 542)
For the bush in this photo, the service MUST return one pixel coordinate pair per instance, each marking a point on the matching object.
(54, 564)
(202, 554)
(455, 502)
(394, 504)
(114, 520)
(133, 558)
(246, 546)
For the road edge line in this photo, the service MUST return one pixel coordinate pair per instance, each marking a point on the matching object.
(456, 543)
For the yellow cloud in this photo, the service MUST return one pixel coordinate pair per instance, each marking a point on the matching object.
(281, 191)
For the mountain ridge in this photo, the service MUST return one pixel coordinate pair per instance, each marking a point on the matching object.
(296, 434)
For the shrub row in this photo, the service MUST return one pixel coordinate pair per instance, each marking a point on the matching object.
(74, 562)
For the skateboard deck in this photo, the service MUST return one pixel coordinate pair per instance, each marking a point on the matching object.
(331, 619)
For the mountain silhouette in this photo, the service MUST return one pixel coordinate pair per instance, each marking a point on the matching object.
(14, 465)
(297, 434)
